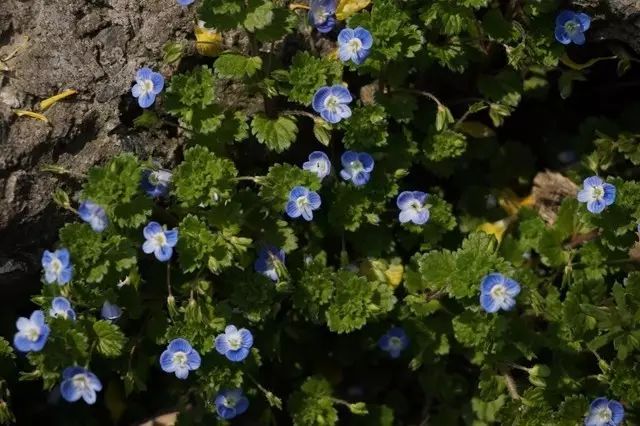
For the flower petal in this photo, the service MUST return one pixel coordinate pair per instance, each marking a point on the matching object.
(404, 199)
(578, 38)
(319, 99)
(617, 411)
(193, 360)
(221, 344)
(609, 193)
(179, 345)
(172, 237)
(593, 181)
(238, 355)
(345, 36)
(292, 210)
(367, 161)
(596, 206)
(144, 73)
(247, 338)
(151, 230)
(341, 93)
(69, 392)
(364, 36)
(562, 35)
(584, 20)
(163, 254)
(158, 82)
(564, 17)
(489, 281)
(146, 100)
(488, 303)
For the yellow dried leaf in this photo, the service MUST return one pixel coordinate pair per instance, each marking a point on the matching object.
(496, 229)
(511, 203)
(53, 99)
(346, 8)
(208, 41)
(394, 275)
(21, 112)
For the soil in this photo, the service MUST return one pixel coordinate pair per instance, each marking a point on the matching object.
(94, 47)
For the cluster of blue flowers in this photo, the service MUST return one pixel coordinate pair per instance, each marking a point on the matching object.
(235, 344)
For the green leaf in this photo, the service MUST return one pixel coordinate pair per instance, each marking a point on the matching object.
(259, 17)
(110, 339)
(277, 134)
(232, 65)
(312, 405)
(307, 74)
(203, 178)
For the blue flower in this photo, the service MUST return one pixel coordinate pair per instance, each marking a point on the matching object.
(185, 2)
(394, 342)
(94, 215)
(231, 403)
(318, 164)
(597, 194)
(357, 167)
(302, 202)
(61, 308)
(331, 103)
(498, 292)
(156, 182)
(570, 27)
(267, 261)
(180, 358)
(32, 333)
(159, 242)
(234, 344)
(57, 266)
(354, 45)
(322, 15)
(412, 207)
(110, 311)
(148, 85)
(604, 412)
(78, 382)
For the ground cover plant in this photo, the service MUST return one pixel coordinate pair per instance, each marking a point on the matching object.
(418, 214)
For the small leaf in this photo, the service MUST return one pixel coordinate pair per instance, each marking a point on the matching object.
(110, 338)
(277, 134)
(232, 65)
(172, 52)
(322, 131)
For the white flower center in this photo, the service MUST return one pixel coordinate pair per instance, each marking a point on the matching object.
(180, 358)
(395, 342)
(415, 205)
(332, 103)
(571, 27)
(234, 341)
(597, 192)
(321, 166)
(160, 239)
(80, 382)
(32, 332)
(56, 266)
(60, 314)
(356, 166)
(229, 402)
(146, 86)
(355, 44)
(604, 414)
(302, 201)
(499, 292)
